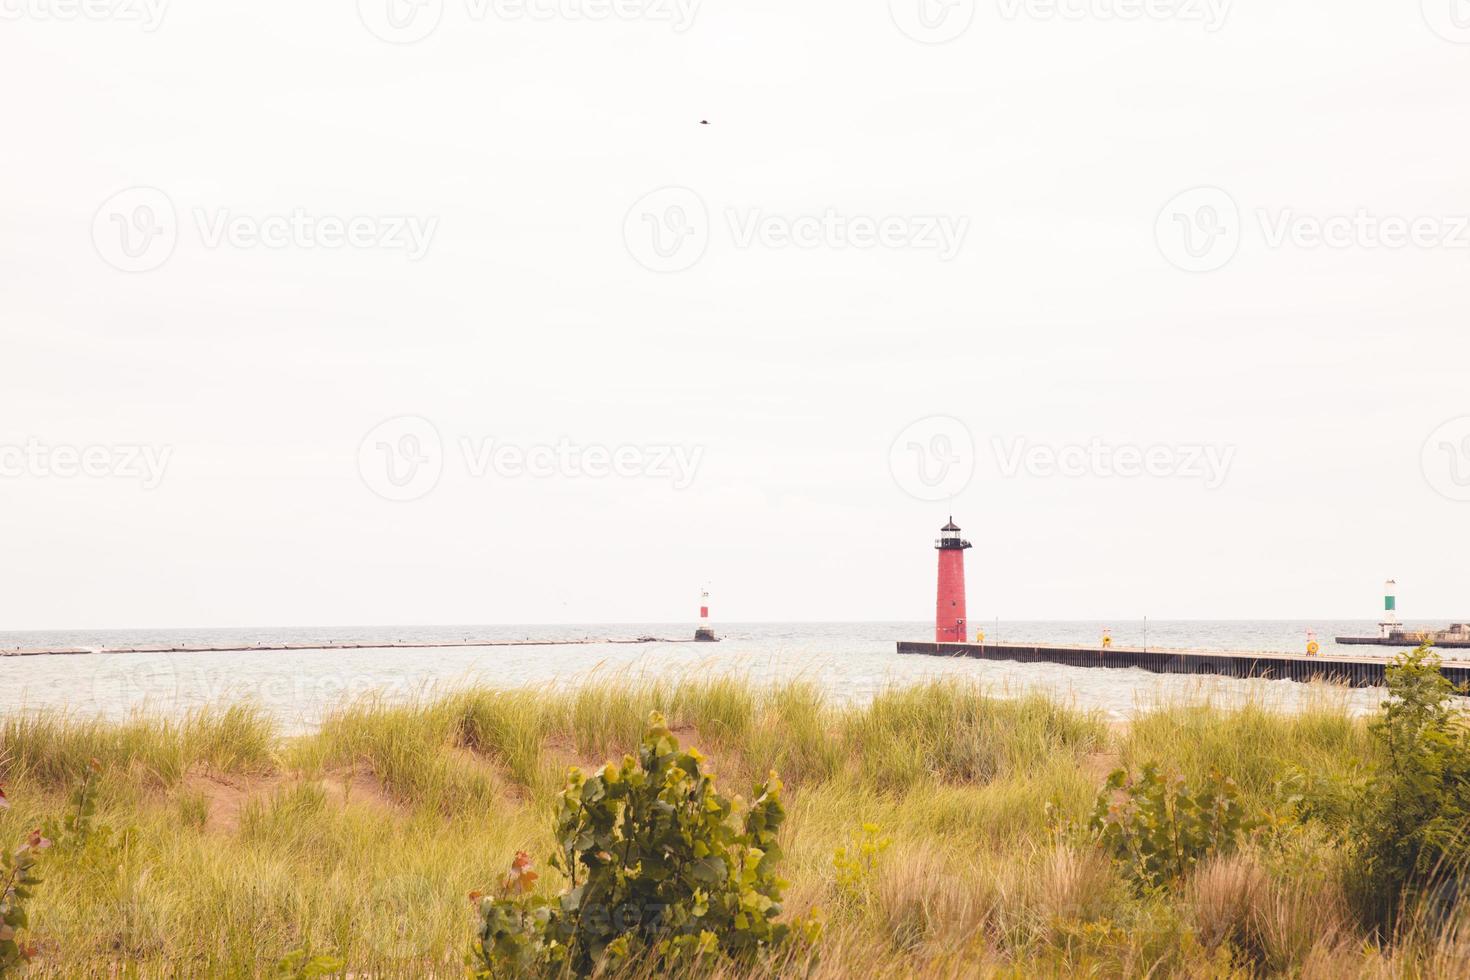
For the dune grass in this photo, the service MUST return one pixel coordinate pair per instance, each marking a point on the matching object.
(233, 847)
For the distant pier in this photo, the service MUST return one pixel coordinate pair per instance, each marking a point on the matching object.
(1457, 637)
(1352, 671)
(323, 645)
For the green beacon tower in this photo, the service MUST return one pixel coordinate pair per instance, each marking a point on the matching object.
(1390, 623)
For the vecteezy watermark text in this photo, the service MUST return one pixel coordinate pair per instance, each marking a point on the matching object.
(938, 21)
(148, 14)
(1201, 230)
(669, 230)
(1363, 229)
(404, 458)
(144, 463)
(407, 233)
(510, 461)
(409, 21)
(138, 229)
(1209, 464)
(1209, 13)
(939, 233)
(934, 459)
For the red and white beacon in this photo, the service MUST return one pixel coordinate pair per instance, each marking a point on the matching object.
(949, 606)
(704, 633)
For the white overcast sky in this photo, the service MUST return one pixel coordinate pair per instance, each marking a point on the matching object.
(1060, 322)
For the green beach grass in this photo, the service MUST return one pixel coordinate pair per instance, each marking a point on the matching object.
(232, 846)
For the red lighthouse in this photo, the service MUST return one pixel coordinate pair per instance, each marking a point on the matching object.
(949, 609)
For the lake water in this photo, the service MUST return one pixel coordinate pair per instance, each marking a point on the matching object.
(849, 660)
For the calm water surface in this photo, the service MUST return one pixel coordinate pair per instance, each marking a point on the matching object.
(849, 660)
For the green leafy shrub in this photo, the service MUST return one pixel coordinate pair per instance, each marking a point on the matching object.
(1313, 796)
(1411, 821)
(82, 843)
(302, 964)
(659, 863)
(18, 874)
(855, 866)
(76, 826)
(1159, 828)
(856, 862)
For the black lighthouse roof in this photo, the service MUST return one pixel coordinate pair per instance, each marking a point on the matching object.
(949, 538)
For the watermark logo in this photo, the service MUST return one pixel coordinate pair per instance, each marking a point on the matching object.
(214, 682)
(1209, 13)
(1450, 19)
(667, 230)
(1446, 459)
(940, 233)
(1202, 229)
(301, 229)
(136, 230)
(148, 14)
(1208, 464)
(932, 21)
(678, 465)
(1363, 229)
(122, 682)
(401, 459)
(38, 460)
(1199, 229)
(933, 459)
(410, 21)
(679, 14)
(400, 21)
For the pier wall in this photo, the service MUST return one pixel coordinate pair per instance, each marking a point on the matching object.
(1354, 672)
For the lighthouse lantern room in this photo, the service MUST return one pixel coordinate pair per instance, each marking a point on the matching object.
(949, 610)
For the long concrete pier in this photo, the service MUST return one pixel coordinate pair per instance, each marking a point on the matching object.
(327, 645)
(1353, 671)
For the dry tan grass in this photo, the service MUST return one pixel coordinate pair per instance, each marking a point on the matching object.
(1222, 898)
(364, 838)
(929, 904)
(1290, 921)
(1074, 885)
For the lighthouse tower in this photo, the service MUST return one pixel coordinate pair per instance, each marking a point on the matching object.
(1390, 623)
(949, 607)
(704, 632)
